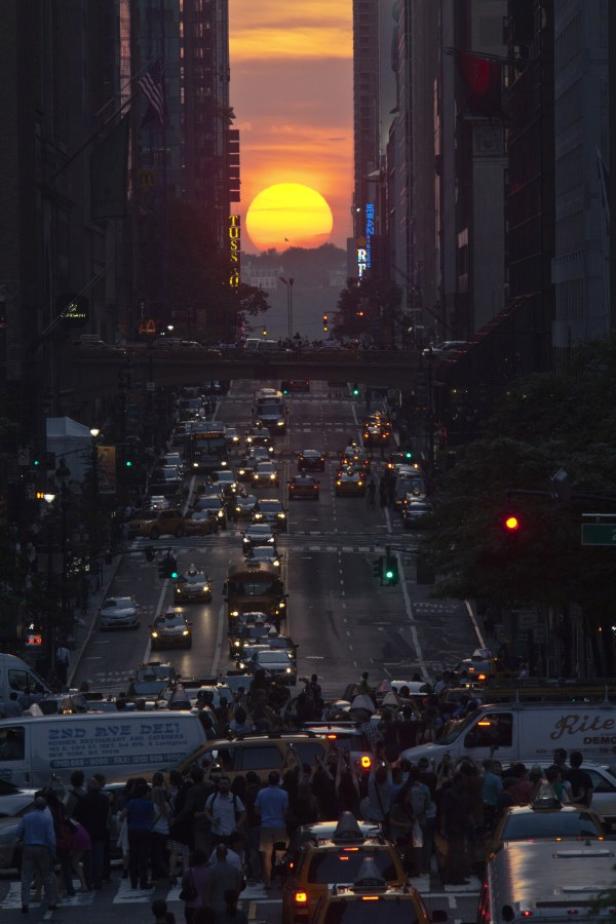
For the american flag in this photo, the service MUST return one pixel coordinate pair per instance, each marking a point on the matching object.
(152, 86)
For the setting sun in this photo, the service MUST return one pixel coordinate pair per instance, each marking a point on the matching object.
(289, 215)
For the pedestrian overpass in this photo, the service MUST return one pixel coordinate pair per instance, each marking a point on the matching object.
(91, 372)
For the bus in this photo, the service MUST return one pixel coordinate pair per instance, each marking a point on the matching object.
(255, 587)
(208, 447)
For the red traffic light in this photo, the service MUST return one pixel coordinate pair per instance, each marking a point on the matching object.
(512, 523)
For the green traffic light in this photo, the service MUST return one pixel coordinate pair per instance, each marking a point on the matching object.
(389, 575)
(36, 462)
(174, 575)
(408, 454)
(128, 463)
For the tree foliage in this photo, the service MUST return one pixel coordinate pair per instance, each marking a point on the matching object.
(564, 420)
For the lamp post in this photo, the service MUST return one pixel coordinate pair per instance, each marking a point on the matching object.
(289, 287)
(94, 433)
(49, 498)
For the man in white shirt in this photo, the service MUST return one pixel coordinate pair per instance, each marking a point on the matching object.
(225, 810)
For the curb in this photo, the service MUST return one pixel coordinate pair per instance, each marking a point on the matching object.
(102, 593)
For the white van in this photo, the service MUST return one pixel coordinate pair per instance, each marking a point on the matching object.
(18, 678)
(33, 749)
(546, 881)
(530, 731)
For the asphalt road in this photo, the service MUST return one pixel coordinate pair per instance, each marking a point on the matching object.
(342, 619)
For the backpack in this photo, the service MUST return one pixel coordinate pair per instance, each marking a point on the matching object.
(212, 799)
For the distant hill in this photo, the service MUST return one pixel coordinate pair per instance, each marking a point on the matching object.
(307, 266)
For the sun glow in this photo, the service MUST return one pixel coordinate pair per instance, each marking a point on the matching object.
(289, 215)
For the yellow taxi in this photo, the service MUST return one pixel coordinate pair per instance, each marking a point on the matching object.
(319, 865)
(370, 900)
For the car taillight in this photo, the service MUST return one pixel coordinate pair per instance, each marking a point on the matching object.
(300, 898)
(370, 898)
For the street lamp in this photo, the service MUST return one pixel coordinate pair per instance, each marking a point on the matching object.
(94, 432)
(49, 498)
(289, 286)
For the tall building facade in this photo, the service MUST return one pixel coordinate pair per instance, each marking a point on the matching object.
(581, 266)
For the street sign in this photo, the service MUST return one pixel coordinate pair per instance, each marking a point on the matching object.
(599, 534)
(147, 327)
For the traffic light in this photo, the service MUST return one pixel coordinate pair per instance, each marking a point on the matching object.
(355, 391)
(390, 569)
(377, 568)
(168, 568)
(408, 454)
(511, 523)
(128, 463)
(325, 323)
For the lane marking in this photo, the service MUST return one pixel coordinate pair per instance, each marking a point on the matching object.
(218, 647)
(409, 612)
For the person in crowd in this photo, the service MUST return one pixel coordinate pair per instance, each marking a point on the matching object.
(232, 914)
(219, 879)
(272, 804)
(36, 832)
(348, 792)
(161, 912)
(234, 853)
(225, 811)
(75, 793)
(194, 884)
(492, 787)
(252, 827)
(160, 828)
(377, 804)
(523, 788)
(139, 823)
(579, 781)
(240, 724)
(63, 830)
(93, 813)
(193, 813)
(455, 822)
(180, 832)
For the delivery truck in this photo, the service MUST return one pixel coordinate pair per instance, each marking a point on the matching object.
(516, 731)
(34, 750)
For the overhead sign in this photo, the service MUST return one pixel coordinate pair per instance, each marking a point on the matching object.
(599, 534)
(234, 250)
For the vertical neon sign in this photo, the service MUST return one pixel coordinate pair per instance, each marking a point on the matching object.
(234, 250)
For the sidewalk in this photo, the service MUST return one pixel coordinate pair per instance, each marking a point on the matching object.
(86, 622)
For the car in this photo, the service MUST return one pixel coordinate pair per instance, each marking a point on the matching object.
(261, 753)
(225, 482)
(350, 483)
(259, 437)
(270, 510)
(245, 469)
(311, 460)
(266, 554)
(321, 864)
(276, 664)
(193, 587)
(257, 633)
(156, 523)
(232, 437)
(415, 513)
(370, 900)
(257, 534)
(446, 346)
(174, 458)
(295, 387)
(119, 613)
(245, 506)
(304, 486)
(265, 475)
(212, 505)
(356, 457)
(171, 630)
(151, 679)
(547, 819)
(200, 523)
(157, 502)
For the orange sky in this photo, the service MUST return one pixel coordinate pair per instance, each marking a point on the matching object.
(291, 88)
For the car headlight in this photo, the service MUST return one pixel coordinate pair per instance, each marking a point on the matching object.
(241, 665)
(245, 540)
(276, 563)
(288, 670)
(270, 448)
(282, 516)
(154, 634)
(206, 588)
(237, 643)
(186, 632)
(258, 516)
(195, 465)
(242, 471)
(270, 541)
(238, 510)
(360, 484)
(281, 605)
(273, 477)
(236, 439)
(280, 423)
(223, 464)
(221, 514)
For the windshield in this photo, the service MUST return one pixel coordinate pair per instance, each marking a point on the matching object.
(254, 586)
(344, 865)
(269, 506)
(549, 825)
(455, 727)
(359, 912)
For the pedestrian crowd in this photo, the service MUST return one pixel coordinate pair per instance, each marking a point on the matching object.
(211, 832)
